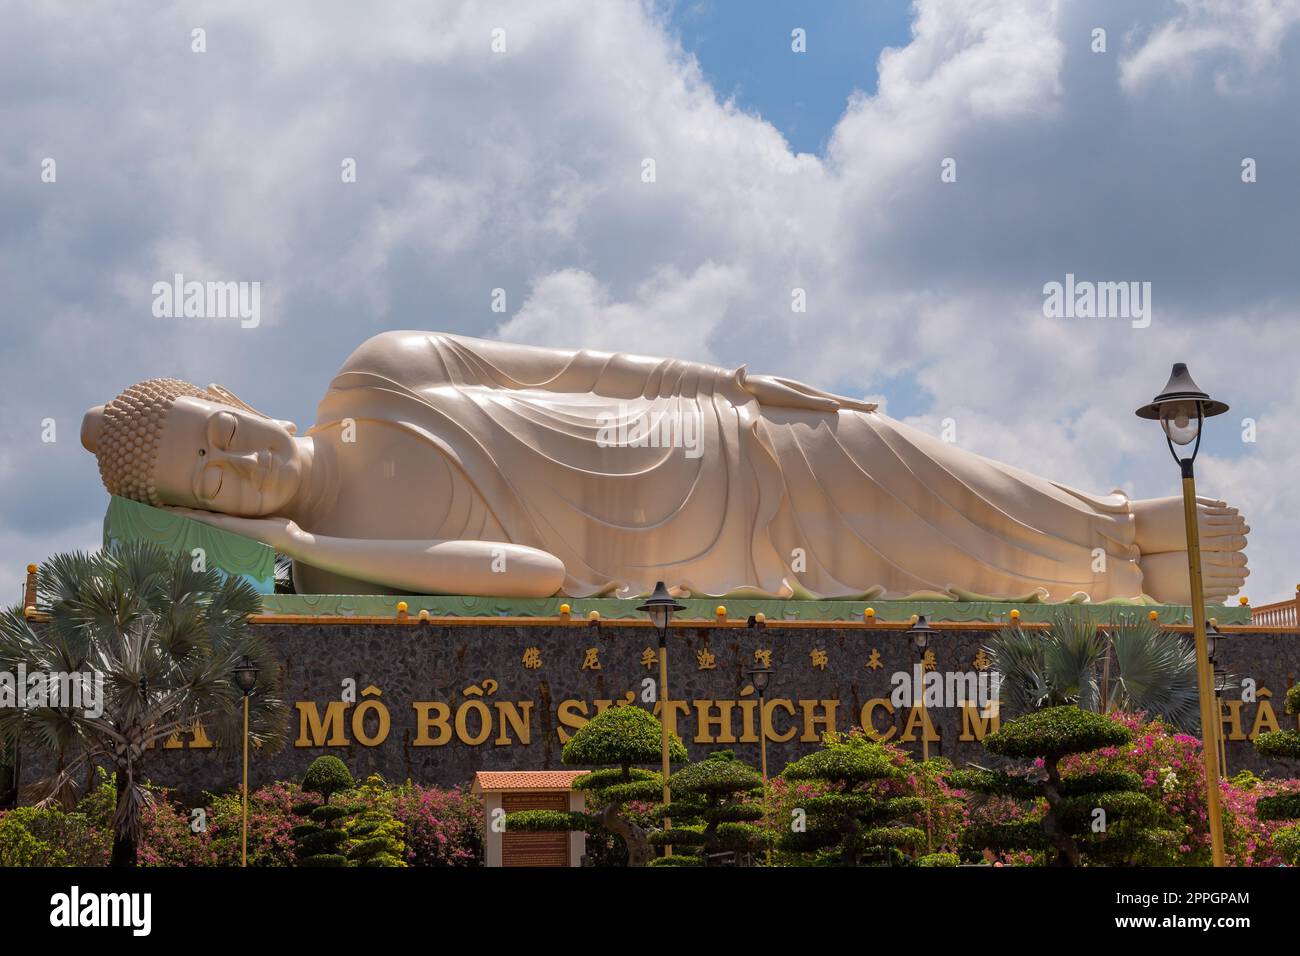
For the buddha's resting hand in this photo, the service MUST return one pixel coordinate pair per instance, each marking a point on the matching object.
(279, 533)
(776, 392)
(479, 568)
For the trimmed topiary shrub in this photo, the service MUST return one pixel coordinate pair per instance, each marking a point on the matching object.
(1056, 732)
(623, 737)
(712, 811)
(321, 840)
(327, 776)
(1098, 817)
(849, 823)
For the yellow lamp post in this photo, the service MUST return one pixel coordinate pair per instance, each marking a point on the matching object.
(760, 677)
(245, 680)
(1181, 410)
(660, 606)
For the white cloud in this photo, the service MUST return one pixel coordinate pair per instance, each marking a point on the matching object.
(522, 171)
(1238, 38)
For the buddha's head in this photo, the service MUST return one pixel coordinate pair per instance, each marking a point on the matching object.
(167, 442)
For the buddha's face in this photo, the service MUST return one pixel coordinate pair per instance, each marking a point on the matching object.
(224, 459)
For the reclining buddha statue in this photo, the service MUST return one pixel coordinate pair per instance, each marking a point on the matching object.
(441, 464)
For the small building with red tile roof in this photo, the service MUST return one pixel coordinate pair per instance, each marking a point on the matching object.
(509, 791)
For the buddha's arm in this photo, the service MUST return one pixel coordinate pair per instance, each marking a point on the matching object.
(419, 567)
(623, 375)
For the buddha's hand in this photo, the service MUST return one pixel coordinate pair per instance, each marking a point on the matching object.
(778, 392)
(280, 533)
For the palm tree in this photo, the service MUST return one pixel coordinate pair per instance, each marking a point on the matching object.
(1131, 665)
(165, 638)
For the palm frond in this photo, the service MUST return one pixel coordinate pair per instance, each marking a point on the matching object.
(1156, 673)
(165, 637)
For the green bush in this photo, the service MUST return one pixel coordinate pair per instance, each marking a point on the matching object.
(50, 837)
(327, 776)
(623, 736)
(939, 859)
(1056, 732)
(322, 841)
(546, 821)
(1058, 811)
(1281, 745)
(1024, 834)
(855, 764)
(713, 807)
(993, 782)
(1285, 806)
(855, 819)
(1287, 843)
(677, 861)
(374, 835)
(1278, 744)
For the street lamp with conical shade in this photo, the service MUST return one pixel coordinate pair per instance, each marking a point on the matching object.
(1181, 409)
(661, 607)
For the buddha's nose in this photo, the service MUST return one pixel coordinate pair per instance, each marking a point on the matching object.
(249, 463)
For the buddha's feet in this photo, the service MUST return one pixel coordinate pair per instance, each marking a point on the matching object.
(1161, 537)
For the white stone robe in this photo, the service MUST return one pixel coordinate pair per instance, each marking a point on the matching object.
(781, 500)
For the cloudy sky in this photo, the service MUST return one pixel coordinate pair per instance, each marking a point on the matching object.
(522, 169)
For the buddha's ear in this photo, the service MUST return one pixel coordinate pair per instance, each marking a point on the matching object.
(91, 426)
(220, 393)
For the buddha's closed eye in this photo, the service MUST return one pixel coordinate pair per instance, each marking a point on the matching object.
(222, 430)
(210, 482)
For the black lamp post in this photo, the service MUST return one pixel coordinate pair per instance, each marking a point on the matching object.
(921, 633)
(661, 607)
(245, 680)
(1212, 636)
(1220, 676)
(1181, 410)
(246, 675)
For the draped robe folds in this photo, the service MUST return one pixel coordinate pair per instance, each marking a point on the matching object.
(778, 500)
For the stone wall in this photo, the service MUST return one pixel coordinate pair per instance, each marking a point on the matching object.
(435, 703)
